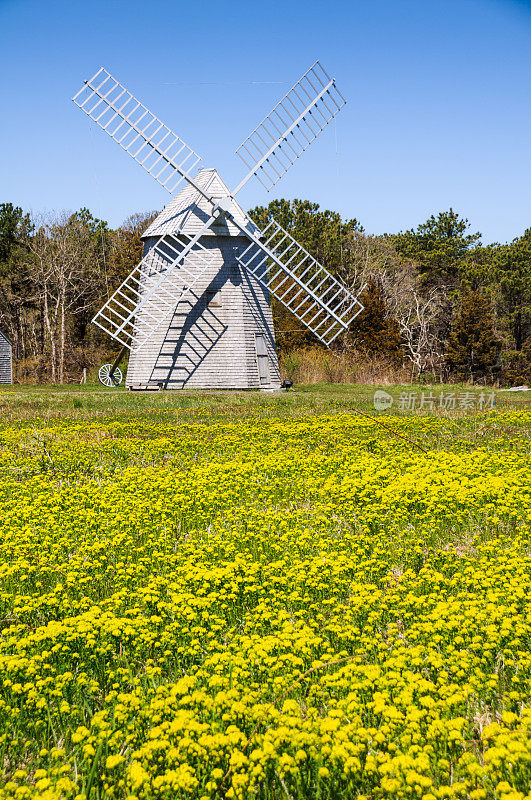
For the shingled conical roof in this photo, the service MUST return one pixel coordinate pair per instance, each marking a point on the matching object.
(189, 211)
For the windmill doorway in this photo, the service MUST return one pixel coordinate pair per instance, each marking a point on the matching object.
(262, 359)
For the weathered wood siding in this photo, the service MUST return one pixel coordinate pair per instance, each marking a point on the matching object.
(6, 360)
(209, 342)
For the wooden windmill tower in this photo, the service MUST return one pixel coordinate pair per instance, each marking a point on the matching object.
(196, 311)
(221, 334)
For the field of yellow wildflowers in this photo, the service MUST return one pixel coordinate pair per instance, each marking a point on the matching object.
(241, 597)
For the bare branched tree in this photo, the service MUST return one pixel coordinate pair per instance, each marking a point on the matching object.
(66, 277)
(417, 312)
(420, 328)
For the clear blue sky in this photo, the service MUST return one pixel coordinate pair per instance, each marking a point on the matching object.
(438, 113)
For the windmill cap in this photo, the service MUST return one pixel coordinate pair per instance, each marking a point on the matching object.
(189, 210)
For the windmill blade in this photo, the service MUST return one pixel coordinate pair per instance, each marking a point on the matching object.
(300, 283)
(162, 279)
(293, 124)
(139, 132)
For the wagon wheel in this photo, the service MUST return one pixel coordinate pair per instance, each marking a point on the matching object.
(104, 375)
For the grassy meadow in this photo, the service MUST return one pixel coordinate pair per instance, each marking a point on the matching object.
(272, 596)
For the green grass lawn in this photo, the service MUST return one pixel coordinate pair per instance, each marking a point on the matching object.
(70, 401)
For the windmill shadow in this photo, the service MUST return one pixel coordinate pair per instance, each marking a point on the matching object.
(192, 333)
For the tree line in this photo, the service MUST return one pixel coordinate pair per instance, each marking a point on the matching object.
(55, 273)
(436, 300)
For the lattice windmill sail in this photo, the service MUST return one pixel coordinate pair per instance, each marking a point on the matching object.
(196, 311)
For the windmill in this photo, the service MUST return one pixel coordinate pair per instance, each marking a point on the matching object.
(196, 310)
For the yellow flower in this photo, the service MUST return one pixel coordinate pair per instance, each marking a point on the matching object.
(113, 761)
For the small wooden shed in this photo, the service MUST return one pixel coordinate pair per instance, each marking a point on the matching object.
(6, 359)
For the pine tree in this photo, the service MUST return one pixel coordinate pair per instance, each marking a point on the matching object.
(440, 246)
(375, 331)
(473, 347)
